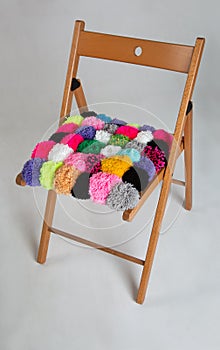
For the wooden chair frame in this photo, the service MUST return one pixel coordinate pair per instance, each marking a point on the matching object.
(179, 58)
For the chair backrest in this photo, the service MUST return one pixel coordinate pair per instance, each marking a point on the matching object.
(174, 57)
(152, 53)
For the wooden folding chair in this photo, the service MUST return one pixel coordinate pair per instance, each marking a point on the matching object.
(178, 58)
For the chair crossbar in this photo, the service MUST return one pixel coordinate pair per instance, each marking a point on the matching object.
(96, 246)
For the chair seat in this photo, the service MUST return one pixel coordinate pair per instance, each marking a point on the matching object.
(93, 156)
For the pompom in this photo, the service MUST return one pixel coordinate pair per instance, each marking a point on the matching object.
(132, 177)
(128, 131)
(42, 149)
(59, 152)
(76, 119)
(100, 185)
(87, 132)
(143, 178)
(98, 124)
(47, 173)
(31, 171)
(162, 145)
(81, 188)
(90, 146)
(58, 136)
(147, 165)
(104, 118)
(132, 153)
(156, 156)
(68, 128)
(91, 160)
(118, 122)
(102, 136)
(65, 178)
(136, 125)
(136, 145)
(73, 141)
(97, 167)
(111, 128)
(144, 136)
(110, 150)
(146, 128)
(118, 140)
(116, 165)
(89, 114)
(78, 160)
(164, 136)
(123, 196)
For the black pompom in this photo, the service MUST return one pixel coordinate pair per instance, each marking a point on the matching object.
(89, 114)
(57, 137)
(132, 177)
(81, 188)
(143, 177)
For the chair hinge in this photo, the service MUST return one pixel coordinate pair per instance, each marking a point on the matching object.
(75, 84)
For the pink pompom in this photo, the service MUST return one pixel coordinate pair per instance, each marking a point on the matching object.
(100, 185)
(161, 134)
(70, 127)
(78, 160)
(42, 149)
(129, 131)
(98, 124)
(72, 140)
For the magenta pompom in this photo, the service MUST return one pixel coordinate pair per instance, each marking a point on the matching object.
(42, 149)
(163, 135)
(129, 131)
(71, 127)
(100, 185)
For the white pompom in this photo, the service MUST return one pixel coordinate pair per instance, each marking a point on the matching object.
(59, 152)
(144, 136)
(102, 136)
(110, 150)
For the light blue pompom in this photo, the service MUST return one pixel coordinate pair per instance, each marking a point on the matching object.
(132, 153)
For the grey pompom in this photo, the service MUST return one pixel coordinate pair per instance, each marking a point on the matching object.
(136, 145)
(123, 196)
(111, 128)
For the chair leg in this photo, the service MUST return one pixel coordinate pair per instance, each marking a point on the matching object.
(154, 236)
(45, 234)
(188, 161)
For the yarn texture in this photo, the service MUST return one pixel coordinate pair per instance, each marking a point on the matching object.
(93, 156)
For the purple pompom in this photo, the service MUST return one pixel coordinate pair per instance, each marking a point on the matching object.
(147, 165)
(87, 132)
(146, 128)
(118, 122)
(31, 171)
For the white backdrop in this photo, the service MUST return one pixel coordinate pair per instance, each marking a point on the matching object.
(82, 298)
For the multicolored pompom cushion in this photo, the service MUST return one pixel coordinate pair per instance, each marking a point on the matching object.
(96, 157)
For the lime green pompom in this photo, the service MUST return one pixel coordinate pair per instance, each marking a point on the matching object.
(77, 119)
(118, 140)
(47, 173)
(90, 146)
(136, 125)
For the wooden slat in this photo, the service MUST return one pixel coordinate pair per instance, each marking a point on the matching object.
(96, 246)
(156, 54)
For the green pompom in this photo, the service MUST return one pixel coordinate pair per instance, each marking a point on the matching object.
(77, 119)
(118, 140)
(47, 173)
(90, 146)
(136, 125)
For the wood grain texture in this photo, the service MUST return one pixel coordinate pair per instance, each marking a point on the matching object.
(188, 160)
(118, 48)
(97, 246)
(187, 95)
(45, 234)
